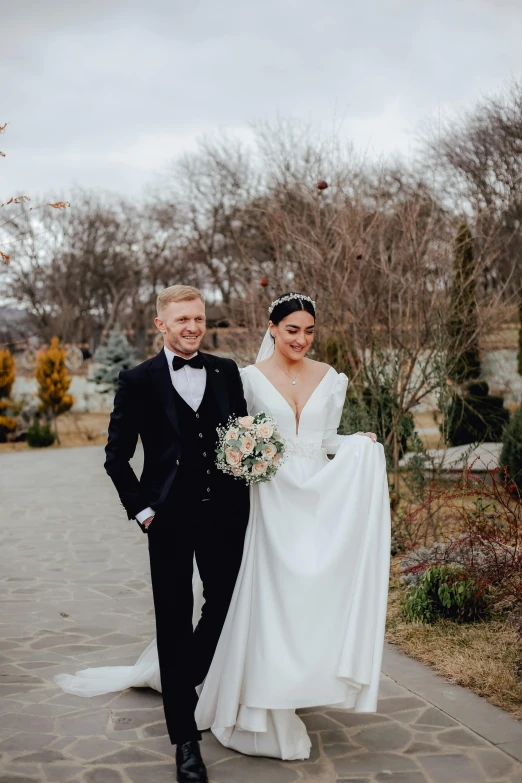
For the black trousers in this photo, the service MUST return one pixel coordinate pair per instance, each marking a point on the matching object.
(216, 537)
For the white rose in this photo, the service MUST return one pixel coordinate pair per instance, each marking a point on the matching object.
(247, 444)
(232, 434)
(237, 471)
(265, 430)
(233, 457)
(259, 468)
(246, 421)
(269, 451)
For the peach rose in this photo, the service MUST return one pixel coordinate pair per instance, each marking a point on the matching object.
(247, 444)
(246, 422)
(232, 434)
(259, 468)
(276, 459)
(233, 456)
(269, 451)
(265, 431)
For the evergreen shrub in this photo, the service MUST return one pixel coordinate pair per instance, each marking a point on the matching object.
(444, 591)
(511, 455)
(475, 416)
(117, 354)
(40, 435)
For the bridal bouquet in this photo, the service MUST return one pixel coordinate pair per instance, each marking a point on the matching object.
(250, 447)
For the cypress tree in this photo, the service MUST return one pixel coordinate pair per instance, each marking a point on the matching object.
(7, 377)
(473, 415)
(511, 455)
(463, 353)
(7, 373)
(519, 354)
(53, 382)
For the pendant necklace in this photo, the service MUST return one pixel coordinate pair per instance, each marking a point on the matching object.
(294, 380)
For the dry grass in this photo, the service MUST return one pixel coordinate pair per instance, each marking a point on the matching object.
(75, 429)
(485, 657)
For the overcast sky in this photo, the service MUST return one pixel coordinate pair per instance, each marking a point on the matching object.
(103, 93)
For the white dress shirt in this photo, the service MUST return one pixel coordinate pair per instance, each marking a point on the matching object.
(190, 384)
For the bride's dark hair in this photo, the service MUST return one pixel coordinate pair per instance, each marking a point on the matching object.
(283, 309)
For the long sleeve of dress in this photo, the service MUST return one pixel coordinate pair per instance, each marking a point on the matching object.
(331, 440)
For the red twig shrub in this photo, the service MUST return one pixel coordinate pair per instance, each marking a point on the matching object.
(481, 533)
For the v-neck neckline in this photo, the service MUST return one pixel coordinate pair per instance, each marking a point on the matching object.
(297, 421)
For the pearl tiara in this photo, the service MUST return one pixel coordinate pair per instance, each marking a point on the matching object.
(287, 299)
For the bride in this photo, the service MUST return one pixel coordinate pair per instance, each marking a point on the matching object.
(305, 625)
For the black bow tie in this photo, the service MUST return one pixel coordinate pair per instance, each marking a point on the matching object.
(178, 363)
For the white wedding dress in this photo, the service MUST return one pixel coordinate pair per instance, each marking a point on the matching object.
(305, 625)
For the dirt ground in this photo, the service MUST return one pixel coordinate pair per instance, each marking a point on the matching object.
(74, 429)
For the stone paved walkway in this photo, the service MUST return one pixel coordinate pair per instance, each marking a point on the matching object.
(75, 592)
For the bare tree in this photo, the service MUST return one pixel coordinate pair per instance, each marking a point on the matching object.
(102, 262)
(478, 159)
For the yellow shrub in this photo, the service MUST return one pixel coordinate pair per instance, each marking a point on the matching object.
(53, 380)
(7, 373)
(8, 423)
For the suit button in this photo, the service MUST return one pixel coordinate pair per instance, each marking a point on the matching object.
(208, 472)
(177, 462)
(197, 415)
(204, 453)
(208, 489)
(200, 434)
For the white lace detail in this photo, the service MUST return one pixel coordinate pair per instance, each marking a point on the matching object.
(302, 448)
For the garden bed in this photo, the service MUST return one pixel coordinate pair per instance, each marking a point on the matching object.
(75, 429)
(485, 656)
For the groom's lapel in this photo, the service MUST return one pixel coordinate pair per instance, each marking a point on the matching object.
(163, 386)
(217, 382)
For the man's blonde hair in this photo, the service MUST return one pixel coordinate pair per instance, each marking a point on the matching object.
(177, 293)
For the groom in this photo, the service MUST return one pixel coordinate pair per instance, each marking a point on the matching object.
(174, 402)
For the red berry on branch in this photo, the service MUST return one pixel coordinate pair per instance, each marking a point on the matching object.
(264, 282)
(322, 185)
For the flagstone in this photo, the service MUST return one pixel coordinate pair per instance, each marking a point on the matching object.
(90, 748)
(45, 756)
(402, 777)
(452, 768)
(23, 722)
(25, 741)
(373, 763)
(434, 717)
(78, 594)
(387, 737)
(102, 775)
(129, 755)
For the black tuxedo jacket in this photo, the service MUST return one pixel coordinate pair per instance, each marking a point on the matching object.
(144, 406)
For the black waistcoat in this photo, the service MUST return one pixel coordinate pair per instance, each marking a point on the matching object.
(197, 474)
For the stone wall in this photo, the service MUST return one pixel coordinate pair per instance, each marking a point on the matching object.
(499, 369)
(86, 395)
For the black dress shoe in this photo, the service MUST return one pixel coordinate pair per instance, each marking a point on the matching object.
(190, 766)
